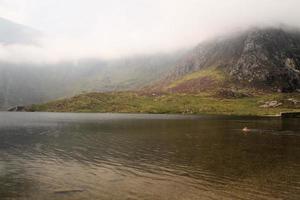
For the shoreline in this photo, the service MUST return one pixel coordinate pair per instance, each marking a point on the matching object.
(267, 105)
(275, 116)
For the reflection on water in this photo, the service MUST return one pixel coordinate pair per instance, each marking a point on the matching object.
(114, 156)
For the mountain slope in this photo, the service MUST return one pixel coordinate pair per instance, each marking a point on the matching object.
(236, 65)
(13, 33)
(240, 74)
(24, 84)
(266, 59)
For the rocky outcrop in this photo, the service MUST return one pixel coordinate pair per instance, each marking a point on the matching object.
(270, 57)
(263, 58)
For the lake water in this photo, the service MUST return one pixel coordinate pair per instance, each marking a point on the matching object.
(121, 156)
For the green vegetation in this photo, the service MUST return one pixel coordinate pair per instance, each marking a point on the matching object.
(130, 102)
(212, 73)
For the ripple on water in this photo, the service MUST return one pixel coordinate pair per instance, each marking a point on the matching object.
(70, 156)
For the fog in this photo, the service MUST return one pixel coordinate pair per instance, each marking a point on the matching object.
(75, 29)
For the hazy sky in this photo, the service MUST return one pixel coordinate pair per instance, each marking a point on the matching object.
(114, 28)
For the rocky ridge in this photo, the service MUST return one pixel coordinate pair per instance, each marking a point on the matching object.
(264, 58)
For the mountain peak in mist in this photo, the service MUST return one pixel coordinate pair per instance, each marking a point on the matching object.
(266, 58)
(14, 33)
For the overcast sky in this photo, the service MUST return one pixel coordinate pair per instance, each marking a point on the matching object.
(113, 28)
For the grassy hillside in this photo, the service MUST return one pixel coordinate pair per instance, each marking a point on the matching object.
(196, 82)
(206, 91)
(129, 102)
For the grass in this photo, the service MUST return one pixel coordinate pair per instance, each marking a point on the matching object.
(130, 102)
(212, 73)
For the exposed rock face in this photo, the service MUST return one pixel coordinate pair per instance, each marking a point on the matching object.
(264, 58)
(270, 57)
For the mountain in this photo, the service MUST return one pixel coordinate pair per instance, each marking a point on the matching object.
(254, 72)
(260, 58)
(13, 33)
(24, 84)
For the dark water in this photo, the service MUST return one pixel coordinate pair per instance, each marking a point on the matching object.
(113, 156)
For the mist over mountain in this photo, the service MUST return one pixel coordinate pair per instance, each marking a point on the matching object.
(13, 33)
(26, 82)
(23, 84)
(262, 58)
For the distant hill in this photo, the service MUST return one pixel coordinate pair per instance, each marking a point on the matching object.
(24, 84)
(260, 58)
(13, 33)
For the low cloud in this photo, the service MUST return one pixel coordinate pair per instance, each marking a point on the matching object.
(74, 29)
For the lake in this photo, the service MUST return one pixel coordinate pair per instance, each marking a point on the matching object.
(129, 156)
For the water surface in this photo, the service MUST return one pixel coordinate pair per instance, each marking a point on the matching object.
(122, 156)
